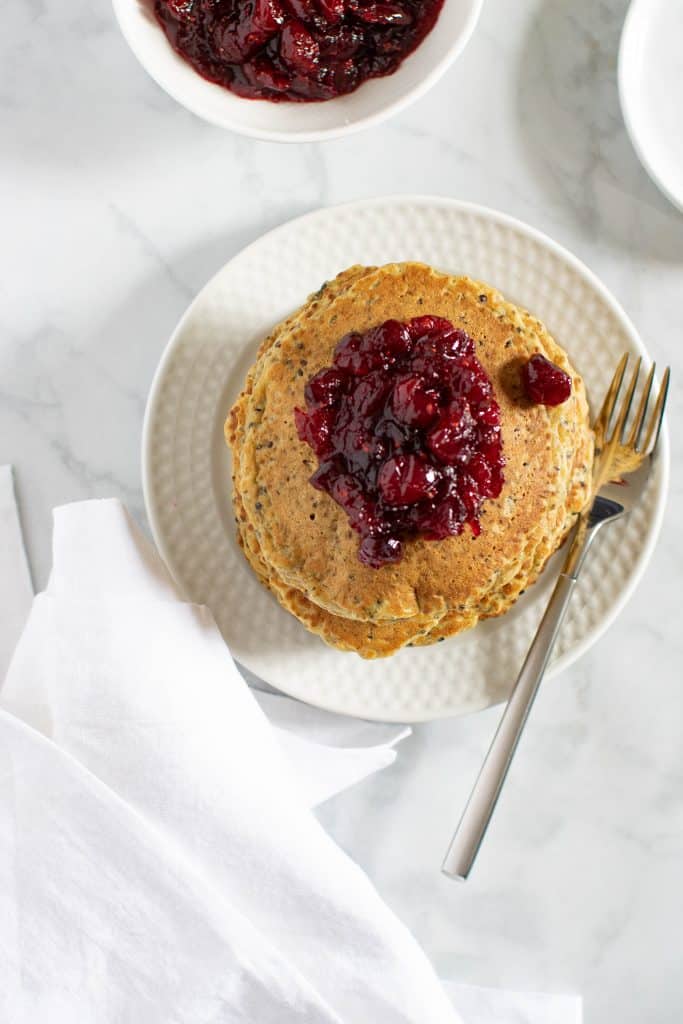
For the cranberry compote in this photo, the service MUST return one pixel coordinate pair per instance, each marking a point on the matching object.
(406, 429)
(544, 382)
(295, 49)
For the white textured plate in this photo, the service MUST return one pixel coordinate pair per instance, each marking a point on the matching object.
(186, 466)
(651, 90)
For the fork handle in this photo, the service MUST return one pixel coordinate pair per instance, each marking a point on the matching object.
(480, 806)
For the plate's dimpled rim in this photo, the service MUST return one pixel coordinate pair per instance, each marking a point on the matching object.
(187, 467)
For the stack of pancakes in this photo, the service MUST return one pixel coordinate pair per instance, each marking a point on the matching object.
(298, 540)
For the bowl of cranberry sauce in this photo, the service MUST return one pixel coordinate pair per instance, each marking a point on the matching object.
(296, 70)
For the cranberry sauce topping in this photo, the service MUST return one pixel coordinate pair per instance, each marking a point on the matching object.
(544, 382)
(407, 433)
(295, 49)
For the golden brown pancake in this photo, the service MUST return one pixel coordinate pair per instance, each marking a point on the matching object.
(303, 536)
(366, 625)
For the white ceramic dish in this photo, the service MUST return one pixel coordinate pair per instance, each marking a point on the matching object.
(373, 102)
(651, 90)
(186, 466)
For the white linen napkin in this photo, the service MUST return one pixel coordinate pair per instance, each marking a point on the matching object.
(157, 860)
(328, 752)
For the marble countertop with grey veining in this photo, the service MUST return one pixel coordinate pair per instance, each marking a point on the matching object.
(116, 207)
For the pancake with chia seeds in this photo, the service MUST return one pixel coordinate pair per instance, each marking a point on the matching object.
(303, 538)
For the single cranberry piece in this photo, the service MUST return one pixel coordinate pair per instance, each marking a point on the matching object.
(415, 402)
(256, 23)
(456, 345)
(405, 479)
(419, 326)
(326, 387)
(453, 430)
(544, 382)
(462, 344)
(471, 381)
(378, 551)
(315, 428)
(331, 10)
(445, 520)
(392, 339)
(444, 345)
(371, 393)
(358, 359)
(298, 49)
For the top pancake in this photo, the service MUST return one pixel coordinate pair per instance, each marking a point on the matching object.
(305, 537)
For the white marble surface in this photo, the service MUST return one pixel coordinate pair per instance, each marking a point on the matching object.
(116, 206)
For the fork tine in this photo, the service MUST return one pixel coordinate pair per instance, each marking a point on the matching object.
(620, 425)
(612, 444)
(605, 414)
(655, 424)
(640, 417)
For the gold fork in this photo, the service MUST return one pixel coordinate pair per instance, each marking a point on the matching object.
(623, 462)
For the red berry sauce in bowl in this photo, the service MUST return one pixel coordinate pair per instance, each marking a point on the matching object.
(296, 50)
(406, 428)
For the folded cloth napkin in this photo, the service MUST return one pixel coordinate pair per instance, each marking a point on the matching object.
(157, 860)
(328, 752)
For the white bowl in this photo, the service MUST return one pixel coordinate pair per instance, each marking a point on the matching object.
(650, 89)
(298, 122)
